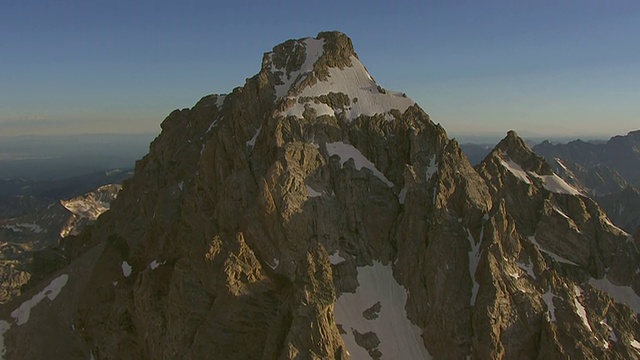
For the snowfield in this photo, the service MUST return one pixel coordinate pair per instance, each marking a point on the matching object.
(399, 338)
(347, 151)
(366, 97)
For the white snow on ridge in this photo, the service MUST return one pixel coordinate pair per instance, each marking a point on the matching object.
(347, 151)
(220, 100)
(21, 314)
(356, 83)
(399, 338)
(555, 184)
(298, 109)
(516, 170)
(622, 294)
(314, 49)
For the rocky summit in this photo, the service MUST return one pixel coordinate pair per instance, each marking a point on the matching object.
(314, 214)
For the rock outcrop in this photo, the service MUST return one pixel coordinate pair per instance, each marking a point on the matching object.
(312, 214)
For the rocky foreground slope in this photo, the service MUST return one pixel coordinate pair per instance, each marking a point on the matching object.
(312, 214)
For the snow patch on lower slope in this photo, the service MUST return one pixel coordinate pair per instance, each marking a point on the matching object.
(21, 314)
(399, 338)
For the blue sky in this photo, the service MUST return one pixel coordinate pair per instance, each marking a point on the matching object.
(539, 67)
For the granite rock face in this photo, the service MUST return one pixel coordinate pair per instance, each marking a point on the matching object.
(312, 214)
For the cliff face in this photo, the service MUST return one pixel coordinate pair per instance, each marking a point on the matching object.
(312, 214)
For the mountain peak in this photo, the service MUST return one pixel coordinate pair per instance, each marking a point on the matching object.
(515, 148)
(325, 75)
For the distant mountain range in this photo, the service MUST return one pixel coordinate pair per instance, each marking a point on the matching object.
(600, 169)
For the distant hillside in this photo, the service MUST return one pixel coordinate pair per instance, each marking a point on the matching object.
(597, 166)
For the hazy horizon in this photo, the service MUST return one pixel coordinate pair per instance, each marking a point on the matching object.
(552, 68)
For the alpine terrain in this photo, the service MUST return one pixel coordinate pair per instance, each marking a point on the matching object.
(28, 242)
(313, 214)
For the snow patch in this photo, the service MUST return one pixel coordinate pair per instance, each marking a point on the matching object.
(220, 100)
(621, 294)
(155, 264)
(399, 338)
(432, 168)
(555, 184)
(562, 165)
(314, 48)
(347, 151)
(355, 82)
(252, 141)
(612, 334)
(312, 193)
(474, 258)
(126, 269)
(528, 268)
(298, 109)
(402, 196)
(21, 314)
(516, 170)
(214, 123)
(336, 259)
(554, 256)
(579, 308)
(548, 299)
(276, 262)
